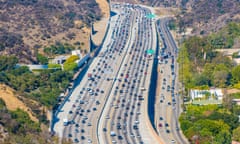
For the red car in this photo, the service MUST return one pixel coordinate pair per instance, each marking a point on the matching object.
(160, 125)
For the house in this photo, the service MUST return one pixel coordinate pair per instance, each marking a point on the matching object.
(60, 59)
(213, 93)
(78, 53)
(236, 101)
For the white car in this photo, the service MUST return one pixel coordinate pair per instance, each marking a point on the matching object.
(89, 141)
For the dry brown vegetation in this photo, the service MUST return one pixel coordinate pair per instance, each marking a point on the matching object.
(209, 16)
(203, 16)
(28, 25)
(103, 5)
(12, 102)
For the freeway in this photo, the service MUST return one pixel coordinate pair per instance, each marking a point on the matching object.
(110, 104)
(87, 100)
(168, 102)
(122, 120)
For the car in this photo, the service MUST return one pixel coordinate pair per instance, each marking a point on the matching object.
(172, 141)
(97, 102)
(94, 109)
(135, 127)
(89, 141)
(82, 130)
(160, 118)
(166, 124)
(104, 129)
(82, 137)
(70, 112)
(76, 140)
(120, 137)
(167, 131)
(83, 121)
(72, 122)
(160, 125)
(76, 130)
(69, 135)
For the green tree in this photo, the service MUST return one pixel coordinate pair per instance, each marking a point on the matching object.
(54, 66)
(236, 134)
(223, 137)
(42, 59)
(220, 75)
(7, 62)
(185, 74)
(70, 66)
(236, 74)
(72, 59)
(208, 72)
(220, 78)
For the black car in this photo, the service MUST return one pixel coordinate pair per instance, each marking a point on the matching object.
(120, 137)
(104, 129)
(76, 140)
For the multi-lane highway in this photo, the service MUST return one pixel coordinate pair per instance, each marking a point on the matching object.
(123, 114)
(168, 102)
(110, 104)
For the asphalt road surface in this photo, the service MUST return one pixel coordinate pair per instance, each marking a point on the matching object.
(110, 103)
(168, 102)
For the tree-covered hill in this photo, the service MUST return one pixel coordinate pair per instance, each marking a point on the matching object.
(201, 64)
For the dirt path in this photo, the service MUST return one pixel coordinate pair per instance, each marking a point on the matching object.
(12, 102)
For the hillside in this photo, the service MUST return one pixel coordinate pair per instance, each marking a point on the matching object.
(209, 16)
(27, 26)
(202, 16)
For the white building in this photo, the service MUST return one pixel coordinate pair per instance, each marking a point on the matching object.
(77, 53)
(60, 59)
(214, 92)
